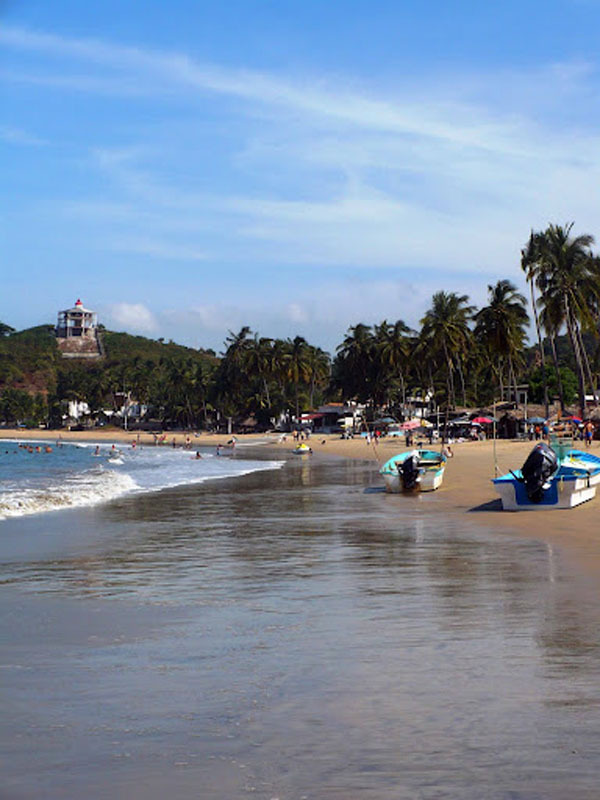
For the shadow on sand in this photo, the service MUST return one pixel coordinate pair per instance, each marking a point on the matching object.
(374, 490)
(491, 505)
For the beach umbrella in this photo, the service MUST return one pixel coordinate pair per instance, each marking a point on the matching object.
(384, 421)
(426, 424)
(482, 420)
(410, 425)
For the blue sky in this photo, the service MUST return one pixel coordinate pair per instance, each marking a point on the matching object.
(191, 167)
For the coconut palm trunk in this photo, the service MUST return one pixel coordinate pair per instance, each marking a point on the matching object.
(561, 394)
(586, 365)
(541, 346)
(578, 359)
(449, 377)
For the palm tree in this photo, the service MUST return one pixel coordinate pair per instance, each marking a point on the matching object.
(501, 327)
(530, 257)
(393, 347)
(354, 364)
(259, 361)
(298, 366)
(568, 279)
(231, 377)
(319, 365)
(238, 345)
(445, 330)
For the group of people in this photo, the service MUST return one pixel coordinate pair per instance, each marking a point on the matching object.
(537, 432)
(583, 431)
(301, 435)
(30, 448)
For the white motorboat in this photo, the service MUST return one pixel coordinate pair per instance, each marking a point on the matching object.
(414, 470)
(550, 479)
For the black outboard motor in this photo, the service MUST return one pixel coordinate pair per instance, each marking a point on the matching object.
(409, 472)
(540, 465)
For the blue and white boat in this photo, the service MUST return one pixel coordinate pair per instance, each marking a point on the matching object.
(550, 478)
(414, 470)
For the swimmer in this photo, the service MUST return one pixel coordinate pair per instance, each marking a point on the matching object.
(198, 454)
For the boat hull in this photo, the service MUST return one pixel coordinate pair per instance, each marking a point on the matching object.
(560, 494)
(575, 482)
(430, 478)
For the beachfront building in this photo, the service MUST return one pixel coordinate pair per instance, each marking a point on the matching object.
(334, 417)
(77, 332)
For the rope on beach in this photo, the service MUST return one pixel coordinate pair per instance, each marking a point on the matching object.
(376, 452)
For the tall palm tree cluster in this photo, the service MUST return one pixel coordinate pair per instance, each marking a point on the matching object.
(269, 377)
(564, 279)
(459, 354)
(472, 356)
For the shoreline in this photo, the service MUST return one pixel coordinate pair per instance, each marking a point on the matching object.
(466, 489)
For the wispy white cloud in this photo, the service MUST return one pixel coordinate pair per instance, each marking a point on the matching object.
(132, 316)
(17, 136)
(441, 176)
(445, 119)
(162, 250)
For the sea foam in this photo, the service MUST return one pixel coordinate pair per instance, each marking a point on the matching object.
(90, 488)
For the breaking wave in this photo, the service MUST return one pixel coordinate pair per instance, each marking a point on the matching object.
(87, 489)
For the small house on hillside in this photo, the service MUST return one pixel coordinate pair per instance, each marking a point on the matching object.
(77, 332)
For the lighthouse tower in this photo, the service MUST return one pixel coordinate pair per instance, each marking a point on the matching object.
(77, 332)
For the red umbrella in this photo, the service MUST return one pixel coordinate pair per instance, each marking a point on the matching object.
(482, 420)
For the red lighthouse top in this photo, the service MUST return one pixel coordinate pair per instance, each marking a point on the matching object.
(78, 303)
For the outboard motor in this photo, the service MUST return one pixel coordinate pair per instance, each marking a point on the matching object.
(540, 465)
(409, 472)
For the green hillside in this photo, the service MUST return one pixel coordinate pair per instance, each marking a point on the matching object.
(29, 359)
(124, 346)
(35, 380)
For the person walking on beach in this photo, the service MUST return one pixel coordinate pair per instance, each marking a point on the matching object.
(588, 433)
(447, 451)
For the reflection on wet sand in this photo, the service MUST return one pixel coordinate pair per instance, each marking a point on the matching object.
(289, 634)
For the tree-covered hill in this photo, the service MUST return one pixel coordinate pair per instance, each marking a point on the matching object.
(36, 380)
(125, 346)
(29, 359)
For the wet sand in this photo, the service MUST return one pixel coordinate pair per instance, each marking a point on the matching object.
(300, 634)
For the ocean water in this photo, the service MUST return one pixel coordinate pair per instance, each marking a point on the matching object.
(290, 631)
(34, 480)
